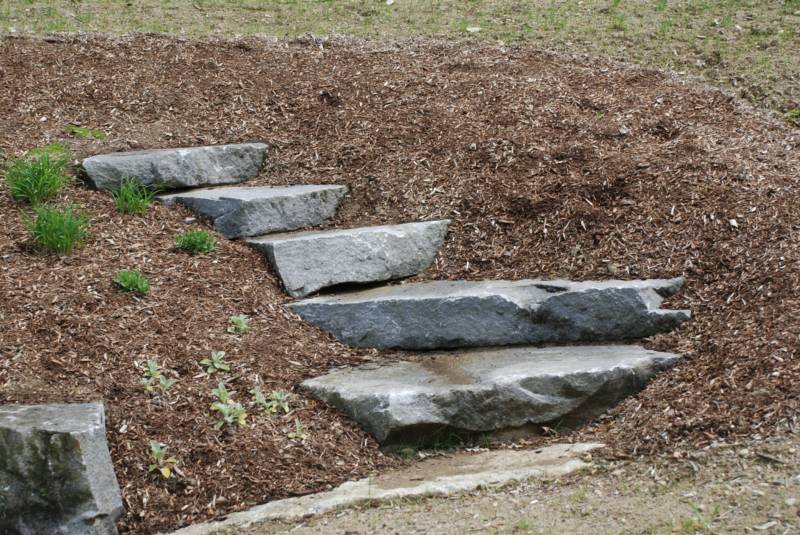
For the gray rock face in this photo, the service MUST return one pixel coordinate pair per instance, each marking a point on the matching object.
(55, 471)
(178, 168)
(487, 391)
(308, 261)
(445, 314)
(243, 211)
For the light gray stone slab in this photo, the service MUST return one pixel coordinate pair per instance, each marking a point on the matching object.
(438, 476)
(447, 314)
(487, 391)
(178, 168)
(309, 261)
(56, 474)
(248, 211)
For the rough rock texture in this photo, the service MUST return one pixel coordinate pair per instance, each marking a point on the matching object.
(178, 168)
(443, 314)
(55, 471)
(489, 390)
(243, 211)
(308, 261)
(435, 476)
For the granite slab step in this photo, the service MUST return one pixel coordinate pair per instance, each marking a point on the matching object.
(449, 314)
(309, 261)
(240, 211)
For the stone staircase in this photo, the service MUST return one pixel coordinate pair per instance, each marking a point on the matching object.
(494, 379)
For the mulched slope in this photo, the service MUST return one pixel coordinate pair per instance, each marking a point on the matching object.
(549, 167)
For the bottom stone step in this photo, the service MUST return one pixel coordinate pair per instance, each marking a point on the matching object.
(466, 394)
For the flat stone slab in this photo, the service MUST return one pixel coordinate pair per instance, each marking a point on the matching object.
(56, 474)
(437, 476)
(248, 211)
(309, 261)
(178, 168)
(487, 391)
(447, 314)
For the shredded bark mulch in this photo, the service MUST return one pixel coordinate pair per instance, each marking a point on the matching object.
(549, 167)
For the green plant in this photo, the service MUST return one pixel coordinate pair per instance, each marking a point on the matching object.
(231, 412)
(195, 241)
(83, 132)
(216, 363)
(38, 178)
(278, 399)
(239, 324)
(132, 281)
(154, 378)
(162, 463)
(299, 432)
(58, 230)
(793, 115)
(56, 151)
(133, 197)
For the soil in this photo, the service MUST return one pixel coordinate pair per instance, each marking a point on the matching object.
(549, 167)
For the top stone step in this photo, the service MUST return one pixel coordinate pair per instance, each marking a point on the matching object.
(178, 168)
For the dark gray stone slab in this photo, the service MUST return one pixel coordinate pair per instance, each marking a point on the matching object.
(309, 261)
(248, 211)
(446, 314)
(178, 168)
(56, 474)
(487, 391)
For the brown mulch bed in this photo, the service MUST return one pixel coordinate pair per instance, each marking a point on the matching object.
(548, 166)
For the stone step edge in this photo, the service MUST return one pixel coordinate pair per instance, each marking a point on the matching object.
(437, 476)
(256, 241)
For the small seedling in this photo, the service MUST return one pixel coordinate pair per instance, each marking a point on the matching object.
(793, 116)
(38, 178)
(278, 399)
(132, 281)
(162, 463)
(133, 197)
(231, 412)
(216, 363)
(299, 432)
(57, 230)
(58, 152)
(239, 324)
(154, 379)
(83, 132)
(195, 241)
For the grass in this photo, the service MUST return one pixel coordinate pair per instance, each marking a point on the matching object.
(133, 197)
(58, 230)
(84, 132)
(195, 242)
(38, 177)
(132, 282)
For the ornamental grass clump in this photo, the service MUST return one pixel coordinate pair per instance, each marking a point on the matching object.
(133, 197)
(38, 177)
(58, 230)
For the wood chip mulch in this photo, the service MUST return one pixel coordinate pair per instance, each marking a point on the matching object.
(549, 166)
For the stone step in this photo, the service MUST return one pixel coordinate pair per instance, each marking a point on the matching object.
(498, 392)
(309, 261)
(446, 314)
(56, 474)
(178, 168)
(249, 211)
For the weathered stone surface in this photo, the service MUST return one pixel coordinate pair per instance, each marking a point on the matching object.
(55, 471)
(437, 476)
(178, 168)
(444, 314)
(488, 391)
(309, 261)
(242, 211)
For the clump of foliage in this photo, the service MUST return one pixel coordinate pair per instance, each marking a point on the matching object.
(58, 230)
(216, 363)
(39, 176)
(793, 116)
(83, 132)
(162, 463)
(154, 379)
(195, 241)
(132, 281)
(133, 197)
(278, 399)
(239, 324)
(299, 432)
(231, 412)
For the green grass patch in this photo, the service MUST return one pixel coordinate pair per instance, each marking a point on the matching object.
(38, 177)
(132, 281)
(133, 197)
(196, 241)
(58, 230)
(84, 132)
